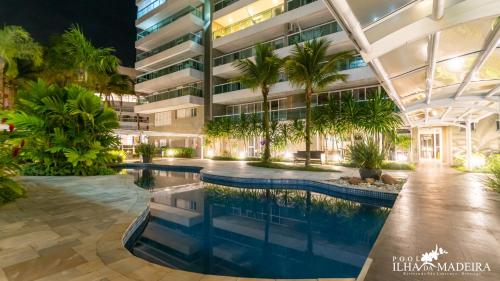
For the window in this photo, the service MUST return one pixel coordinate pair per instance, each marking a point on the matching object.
(323, 98)
(186, 113)
(163, 119)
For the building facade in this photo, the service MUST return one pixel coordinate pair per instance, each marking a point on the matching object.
(177, 39)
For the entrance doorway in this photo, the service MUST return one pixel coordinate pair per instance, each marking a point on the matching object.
(430, 143)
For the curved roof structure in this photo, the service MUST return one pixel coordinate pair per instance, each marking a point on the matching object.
(438, 59)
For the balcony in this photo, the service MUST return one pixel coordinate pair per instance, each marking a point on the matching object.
(160, 9)
(275, 115)
(187, 20)
(264, 26)
(170, 94)
(245, 53)
(235, 92)
(330, 31)
(314, 32)
(185, 97)
(245, 23)
(184, 47)
(219, 5)
(294, 4)
(153, 5)
(188, 71)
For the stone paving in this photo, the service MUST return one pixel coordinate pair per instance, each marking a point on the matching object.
(444, 207)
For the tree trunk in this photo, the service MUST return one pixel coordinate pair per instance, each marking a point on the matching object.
(3, 90)
(265, 124)
(308, 126)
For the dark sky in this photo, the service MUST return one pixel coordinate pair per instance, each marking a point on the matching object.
(108, 23)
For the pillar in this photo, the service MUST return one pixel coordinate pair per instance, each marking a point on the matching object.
(468, 145)
(207, 60)
(202, 148)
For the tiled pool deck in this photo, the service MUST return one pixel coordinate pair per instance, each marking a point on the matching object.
(71, 228)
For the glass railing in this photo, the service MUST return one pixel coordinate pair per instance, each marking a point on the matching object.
(354, 62)
(219, 5)
(190, 63)
(188, 37)
(228, 87)
(153, 5)
(245, 53)
(314, 32)
(188, 10)
(275, 115)
(294, 4)
(255, 19)
(170, 94)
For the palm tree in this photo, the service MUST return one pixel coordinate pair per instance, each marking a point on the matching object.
(84, 57)
(16, 45)
(309, 67)
(378, 117)
(262, 73)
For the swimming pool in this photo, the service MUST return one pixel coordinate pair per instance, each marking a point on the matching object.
(253, 232)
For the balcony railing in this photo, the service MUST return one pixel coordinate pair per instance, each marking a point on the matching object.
(294, 4)
(298, 37)
(245, 53)
(219, 5)
(190, 63)
(275, 115)
(255, 19)
(185, 91)
(153, 5)
(195, 37)
(188, 10)
(314, 32)
(355, 62)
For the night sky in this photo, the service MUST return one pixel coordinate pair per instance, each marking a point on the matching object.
(108, 23)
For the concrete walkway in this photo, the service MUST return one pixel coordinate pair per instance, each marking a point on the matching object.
(444, 207)
(242, 170)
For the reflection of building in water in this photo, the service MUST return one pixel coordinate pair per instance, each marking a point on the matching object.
(245, 232)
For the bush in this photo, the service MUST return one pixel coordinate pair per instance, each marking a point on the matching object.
(9, 151)
(390, 165)
(147, 151)
(117, 156)
(68, 131)
(493, 163)
(366, 155)
(179, 152)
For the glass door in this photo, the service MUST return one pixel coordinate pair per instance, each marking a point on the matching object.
(430, 143)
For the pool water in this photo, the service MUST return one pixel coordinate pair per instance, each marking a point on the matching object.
(260, 233)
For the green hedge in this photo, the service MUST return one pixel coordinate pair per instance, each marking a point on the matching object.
(179, 152)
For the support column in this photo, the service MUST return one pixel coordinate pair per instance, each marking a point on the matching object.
(468, 145)
(207, 60)
(202, 148)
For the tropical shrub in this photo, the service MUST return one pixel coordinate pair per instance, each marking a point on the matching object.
(493, 163)
(9, 150)
(68, 130)
(179, 152)
(147, 151)
(366, 155)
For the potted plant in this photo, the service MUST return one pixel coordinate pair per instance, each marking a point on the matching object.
(147, 151)
(368, 158)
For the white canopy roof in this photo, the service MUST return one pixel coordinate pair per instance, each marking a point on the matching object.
(438, 59)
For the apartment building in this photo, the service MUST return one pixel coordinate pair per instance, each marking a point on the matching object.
(171, 54)
(185, 51)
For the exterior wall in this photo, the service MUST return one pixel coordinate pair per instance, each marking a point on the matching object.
(188, 125)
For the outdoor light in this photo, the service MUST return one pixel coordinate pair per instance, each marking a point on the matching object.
(337, 157)
(242, 155)
(477, 161)
(210, 153)
(288, 155)
(170, 153)
(455, 64)
(401, 157)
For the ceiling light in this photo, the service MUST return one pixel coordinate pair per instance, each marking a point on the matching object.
(230, 20)
(455, 64)
(250, 10)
